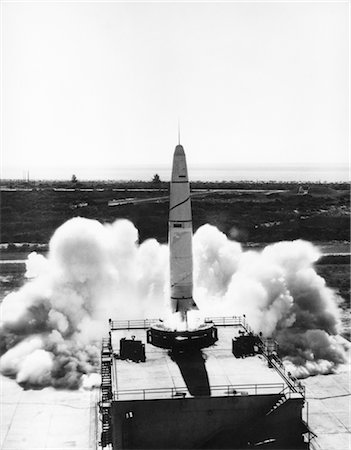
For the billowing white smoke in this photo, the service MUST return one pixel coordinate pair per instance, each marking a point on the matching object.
(279, 292)
(51, 328)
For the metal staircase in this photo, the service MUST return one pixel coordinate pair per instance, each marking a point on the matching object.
(106, 392)
(279, 403)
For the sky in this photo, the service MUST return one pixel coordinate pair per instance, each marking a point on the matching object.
(87, 84)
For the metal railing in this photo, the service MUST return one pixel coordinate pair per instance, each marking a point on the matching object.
(132, 324)
(226, 321)
(216, 391)
(292, 382)
(274, 361)
(147, 323)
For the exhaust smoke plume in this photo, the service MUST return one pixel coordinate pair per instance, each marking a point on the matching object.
(51, 328)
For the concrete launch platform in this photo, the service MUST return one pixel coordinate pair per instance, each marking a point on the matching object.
(47, 418)
(329, 410)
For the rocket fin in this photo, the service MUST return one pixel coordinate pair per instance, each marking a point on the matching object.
(183, 304)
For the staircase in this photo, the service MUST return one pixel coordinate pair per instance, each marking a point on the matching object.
(246, 430)
(106, 392)
(278, 404)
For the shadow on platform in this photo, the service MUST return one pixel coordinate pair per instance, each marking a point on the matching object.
(192, 367)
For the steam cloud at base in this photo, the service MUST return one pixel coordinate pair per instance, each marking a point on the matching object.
(51, 328)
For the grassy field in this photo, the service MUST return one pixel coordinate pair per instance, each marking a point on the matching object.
(322, 214)
(11, 278)
(337, 276)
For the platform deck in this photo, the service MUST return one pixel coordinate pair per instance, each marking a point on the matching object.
(160, 376)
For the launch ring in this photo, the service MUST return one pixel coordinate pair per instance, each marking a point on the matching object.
(203, 336)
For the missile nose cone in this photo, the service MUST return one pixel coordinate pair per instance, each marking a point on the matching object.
(179, 169)
(179, 151)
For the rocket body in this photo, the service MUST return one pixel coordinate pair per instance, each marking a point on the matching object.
(180, 237)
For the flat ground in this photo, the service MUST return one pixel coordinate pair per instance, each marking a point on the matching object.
(47, 418)
(329, 410)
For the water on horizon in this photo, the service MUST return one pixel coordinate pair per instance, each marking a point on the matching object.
(145, 173)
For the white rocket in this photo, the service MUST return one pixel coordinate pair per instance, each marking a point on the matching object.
(180, 237)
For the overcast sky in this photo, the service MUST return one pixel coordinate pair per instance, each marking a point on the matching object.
(104, 83)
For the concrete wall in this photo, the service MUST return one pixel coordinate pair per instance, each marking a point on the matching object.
(215, 422)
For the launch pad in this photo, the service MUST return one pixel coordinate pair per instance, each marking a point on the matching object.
(203, 336)
(217, 396)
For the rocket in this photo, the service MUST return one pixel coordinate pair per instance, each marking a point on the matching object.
(180, 229)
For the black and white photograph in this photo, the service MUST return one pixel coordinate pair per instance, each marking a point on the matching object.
(175, 225)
